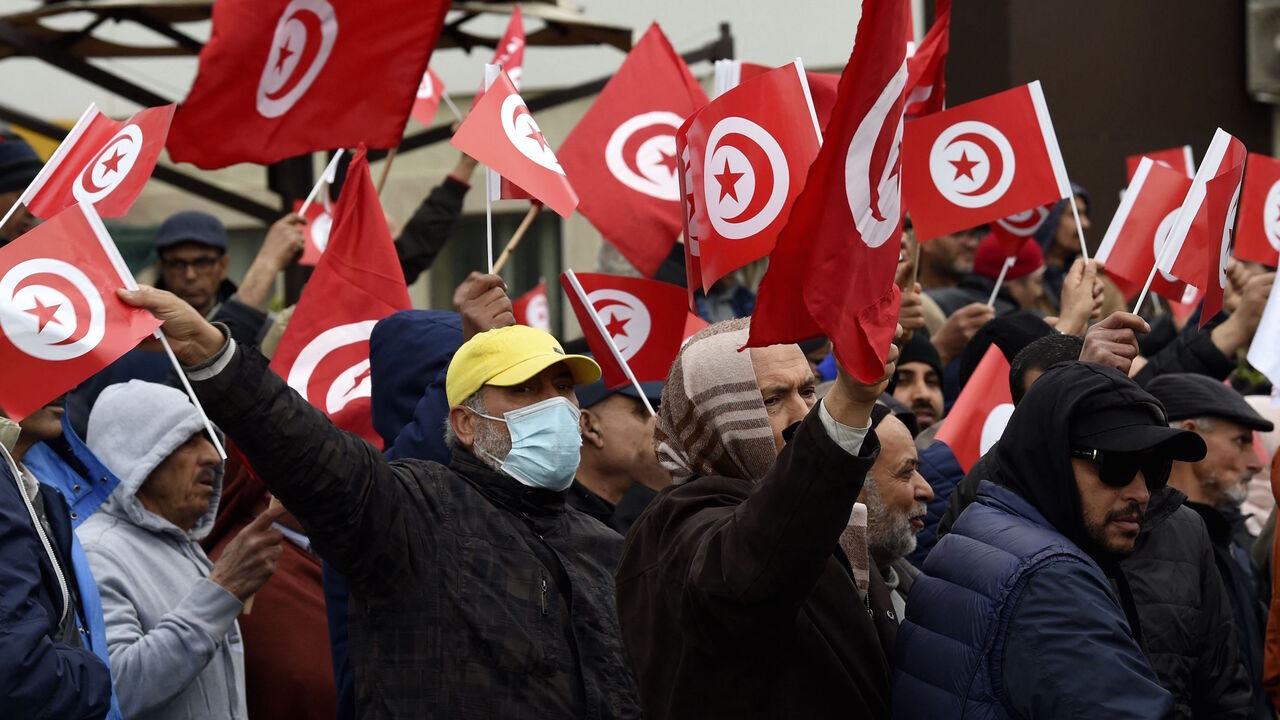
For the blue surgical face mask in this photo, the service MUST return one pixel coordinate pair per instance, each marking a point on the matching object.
(545, 444)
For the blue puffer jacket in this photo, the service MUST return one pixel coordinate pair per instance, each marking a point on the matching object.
(1011, 620)
(68, 467)
(939, 466)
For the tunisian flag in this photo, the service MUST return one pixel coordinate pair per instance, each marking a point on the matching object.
(622, 153)
(822, 86)
(1193, 246)
(927, 68)
(832, 272)
(644, 318)
(1178, 158)
(531, 308)
(319, 217)
(280, 78)
(978, 418)
(1139, 230)
(101, 162)
(980, 161)
(1258, 230)
(60, 319)
(427, 100)
(749, 151)
(501, 133)
(1222, 197)
(324, 353)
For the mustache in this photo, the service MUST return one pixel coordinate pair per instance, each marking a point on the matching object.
(1130, 511)
(922, 405)
(918, 511)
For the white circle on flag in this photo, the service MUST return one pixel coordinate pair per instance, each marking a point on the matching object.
(50, 310)
(536, 313)
(1271, 216)
(745, 178)
(624, 317)
(426, 88)
(320, 228)
(993, 426)
(1025, 223)
(972, 164)
(641, 154)
(300, 46)
(110, 166)
(523, 132)
(877, 221)
(1161, 237)
(350, 384)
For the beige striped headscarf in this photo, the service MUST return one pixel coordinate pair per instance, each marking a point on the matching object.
(713, 420)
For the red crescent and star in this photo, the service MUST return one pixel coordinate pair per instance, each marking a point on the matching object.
(44, 313)
(728, 181)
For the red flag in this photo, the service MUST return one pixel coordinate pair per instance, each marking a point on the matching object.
(838, 253)
(280, 78)
(822, 88)
(509, 53)
(645, 318)
(688, 209)
(749, 150)
(1193, 245)
(622, 154)
(324, 353)
(1222, 197)
(1178, 158)
(981, 411)
(927, 69)
(1258, 231)
(531, 308)
(101, 162)
(501, 133)
(1139, 229)
(427, 101)
(983, 160)
(692, 324)
(60, 319)
(319, 222)
(1016, 229)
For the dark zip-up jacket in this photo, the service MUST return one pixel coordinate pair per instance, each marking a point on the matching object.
(471, 595)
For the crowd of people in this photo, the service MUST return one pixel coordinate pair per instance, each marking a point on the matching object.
(780, 540)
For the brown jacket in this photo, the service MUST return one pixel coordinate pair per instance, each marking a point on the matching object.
(736, 602)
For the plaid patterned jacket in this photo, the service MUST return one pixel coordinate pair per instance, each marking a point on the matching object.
(471, 596)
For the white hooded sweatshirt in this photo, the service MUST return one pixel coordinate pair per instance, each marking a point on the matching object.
(172, 635)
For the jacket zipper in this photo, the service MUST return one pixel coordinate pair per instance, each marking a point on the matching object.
(44, 539)
(544, 592)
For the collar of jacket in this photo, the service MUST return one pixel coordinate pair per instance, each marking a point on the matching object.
(1217, 522)
(505, 491)
(1164, 503)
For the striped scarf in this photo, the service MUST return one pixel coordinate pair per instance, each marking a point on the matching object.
(713, 420)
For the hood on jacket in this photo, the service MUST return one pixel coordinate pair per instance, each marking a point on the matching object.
(134, 427)
(403, 348)
(1049, 226)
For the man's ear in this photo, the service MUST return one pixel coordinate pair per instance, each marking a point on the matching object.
(589, 425)
(1189, 424)
(464, 425)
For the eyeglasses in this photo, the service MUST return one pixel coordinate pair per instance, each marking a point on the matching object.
(201, 265)
(1117, 469)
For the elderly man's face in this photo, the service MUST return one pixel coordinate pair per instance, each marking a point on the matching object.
(919, 388)
(180, 489)
(1112, 515)
(1229, 463)
(787, 386)
(618, 431)
(895, 494)
(193, 272)
(951, 255)
(491, 436)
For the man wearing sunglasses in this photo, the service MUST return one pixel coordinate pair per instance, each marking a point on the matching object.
(1022, 610)
(1215, 488)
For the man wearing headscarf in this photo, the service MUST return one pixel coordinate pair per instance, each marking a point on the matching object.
(745, 589)
(1016, 614)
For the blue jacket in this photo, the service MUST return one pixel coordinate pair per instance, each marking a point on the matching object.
(84, 483)
(1011, 620)
(40, 677)
(939, 466)
(409, 353)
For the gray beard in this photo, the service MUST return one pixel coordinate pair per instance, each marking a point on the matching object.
(890, 536)
(1233, 497)
(490, 444)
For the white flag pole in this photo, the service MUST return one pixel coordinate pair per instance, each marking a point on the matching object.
(328, 177)
(126, 277)
(595, 319)
(1008, 263)
(1084, 251)
(491, 73)
(55, 160)
(444, 95)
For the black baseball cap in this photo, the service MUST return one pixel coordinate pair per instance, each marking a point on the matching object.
(192, 226)
(1133, 428)
(589, 395)
(1189, 395)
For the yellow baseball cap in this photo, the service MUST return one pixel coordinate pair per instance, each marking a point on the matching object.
(509, 355)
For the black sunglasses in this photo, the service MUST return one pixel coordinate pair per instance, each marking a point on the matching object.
(1117, 469)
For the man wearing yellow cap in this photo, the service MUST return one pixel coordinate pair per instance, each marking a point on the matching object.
(475, 591)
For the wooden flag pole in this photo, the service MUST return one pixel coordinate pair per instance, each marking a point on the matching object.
(514, 242)
(386, 168)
